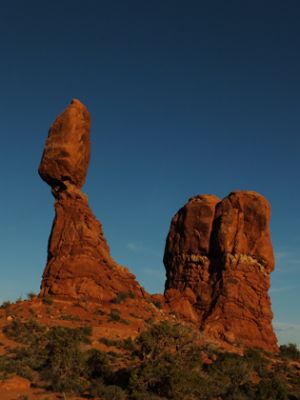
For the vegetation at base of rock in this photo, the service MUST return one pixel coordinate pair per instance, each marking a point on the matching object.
(156, 303)
(290, 351)
(31, 295)
(47, 300)
(164, 362)
(126, 344)
(24, 332)
(6, 304)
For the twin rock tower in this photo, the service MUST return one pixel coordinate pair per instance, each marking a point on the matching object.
(218, 255)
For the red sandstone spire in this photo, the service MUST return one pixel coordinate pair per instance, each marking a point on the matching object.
(79, 262)
(218, 258)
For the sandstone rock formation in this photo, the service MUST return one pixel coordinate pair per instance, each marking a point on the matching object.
(79, 264)
(218, 259)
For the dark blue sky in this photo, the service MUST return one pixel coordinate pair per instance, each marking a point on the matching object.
(187, 97)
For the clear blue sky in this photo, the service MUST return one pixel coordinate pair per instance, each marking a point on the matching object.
(187, 97)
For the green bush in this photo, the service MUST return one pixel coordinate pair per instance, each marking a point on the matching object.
(114, 315)
(85, 331)
(97, 365)
(107, 392)
(256, 361)
(289, 351)
(122, 296)
(169, 377)
(68, 317)
(55, 354)
(27, 332)
(11, 365)
(166, 337)
(6, 305)
(126, 344)
(64, 365)
(108, 342)
(231, 373)
(170, 367)
(47, 300)
(271, 389)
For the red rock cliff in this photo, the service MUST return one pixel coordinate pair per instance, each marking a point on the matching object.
(79, 262)
(218, 259)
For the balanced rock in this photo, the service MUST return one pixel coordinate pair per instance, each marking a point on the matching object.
(79, 263)
(221, 251)
(67, 152)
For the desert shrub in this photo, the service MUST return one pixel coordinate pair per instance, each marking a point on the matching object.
(166, 337)
(170, 366)
(114, 315)
(98, 365)
(85, 331)
(271, 388)
(6, 304)
(289, 351)
(64, 363)
(156, 303)
(256, 361)
(108, 342)
(150, 321)
(107, 392)
(126, 344)
(230, 373)
(68, 317)
(24, 332)
(55, 354)
(32, 312)
(9, 365)
(47, 300)
(146, 396)
(169, 377)
(31, 295)
(100, 312)
(101, 376)
(122, 296)
(23, 361)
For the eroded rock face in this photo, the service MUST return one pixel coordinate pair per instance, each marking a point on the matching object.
(79, 263)
(187, 254)
(219, 257)
(67, 152)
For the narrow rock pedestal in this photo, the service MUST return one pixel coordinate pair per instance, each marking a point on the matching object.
(79, 263)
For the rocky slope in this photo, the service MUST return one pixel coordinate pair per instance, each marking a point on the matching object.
(218, 260)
